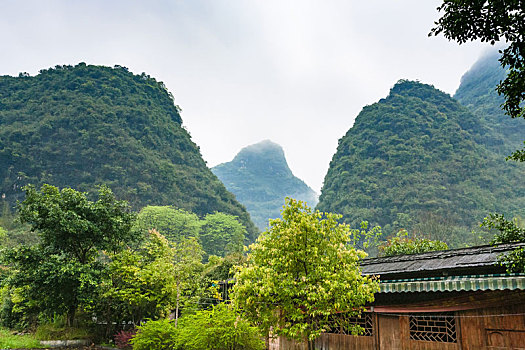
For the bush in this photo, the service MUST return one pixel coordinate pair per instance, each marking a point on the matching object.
(402, 244)
(159, 335)
(220, 328)
(123, 338)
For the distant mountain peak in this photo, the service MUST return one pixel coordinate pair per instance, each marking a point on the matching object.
(265, 157)
(260, 178)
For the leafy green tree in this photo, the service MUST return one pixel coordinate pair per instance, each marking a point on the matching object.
(172, 223)
(187, 272)
(139, 284)
(222, 234)
(69, 223)
(402, 244)
(62, 271)
(492, 21)
(509, 232)
(300, 272)
(150, 282)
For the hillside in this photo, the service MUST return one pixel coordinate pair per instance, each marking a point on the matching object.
(477, 92)
(413, 160)
(260, 178)
(87, 125)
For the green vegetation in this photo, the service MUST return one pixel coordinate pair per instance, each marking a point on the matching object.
(509, 231)
(8, 340)
(300, 272)
(220, 234)
(402, 244)
(92, 258)
(174, 224)
(492, 21)
(219, 328)
(86, 125)
(413, 160)
(260, 178)
(62, 271)
(156, 334)
(477, 92)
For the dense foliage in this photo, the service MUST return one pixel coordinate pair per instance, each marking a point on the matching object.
(86, 125)
(492, 21)
(174, 224)
(300, 272)
(62, 272)
(402, 243)
(477, 91)
(509, 232)
(414, 160)
(219, 234)
(219, 328)
(260, 178)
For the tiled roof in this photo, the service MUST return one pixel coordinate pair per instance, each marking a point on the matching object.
(455, 262)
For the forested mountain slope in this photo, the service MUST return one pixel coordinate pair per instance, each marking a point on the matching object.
(478, 92)
(414, 160)
(260, 178)
(87, 125)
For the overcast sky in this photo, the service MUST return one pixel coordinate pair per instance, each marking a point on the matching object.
(295, 72)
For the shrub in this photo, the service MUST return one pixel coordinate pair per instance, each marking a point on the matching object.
(123, 338)
(402, 244)
(220, 328)
(160, 334)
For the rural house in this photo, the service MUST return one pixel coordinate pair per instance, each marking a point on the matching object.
(453, 299)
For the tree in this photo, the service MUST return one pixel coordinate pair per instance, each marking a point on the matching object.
(301, 271)
(492, 21)
(150, 282)
(172, 223)
(222, 234)
(69, 223)
(509, 232)
(62, 271)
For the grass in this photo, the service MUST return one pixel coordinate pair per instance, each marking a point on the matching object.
(59, 332)
(10, 341)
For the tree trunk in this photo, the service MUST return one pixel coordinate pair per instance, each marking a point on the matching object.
(71, 316)
(177, 305)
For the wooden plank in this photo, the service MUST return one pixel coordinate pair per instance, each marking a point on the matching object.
(389, 332)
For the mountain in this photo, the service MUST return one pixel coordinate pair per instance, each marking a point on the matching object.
(82, 126)
(415, 160)
(477, 92)
(260, 178)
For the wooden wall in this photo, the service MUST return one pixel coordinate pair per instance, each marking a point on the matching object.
(483, 329)
(476, 329)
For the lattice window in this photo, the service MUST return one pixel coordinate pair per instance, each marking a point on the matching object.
(433, 327)
(344, 324)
